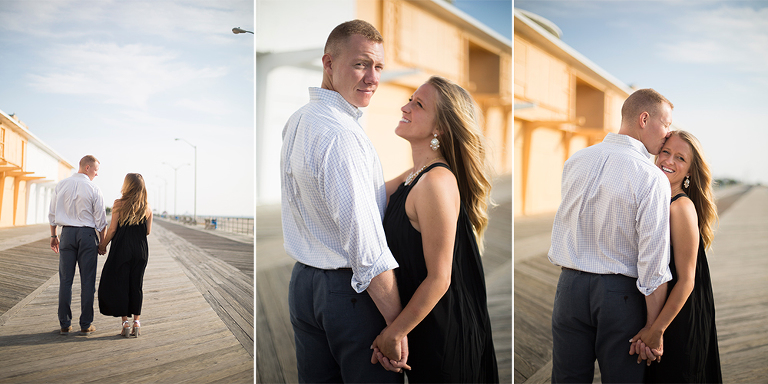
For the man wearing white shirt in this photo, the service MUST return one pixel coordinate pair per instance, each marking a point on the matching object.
(611, 238)
(342, 291)
(78, 207)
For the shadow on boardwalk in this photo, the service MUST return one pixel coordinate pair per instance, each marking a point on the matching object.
(184, 337)
(738, 265)
(275, 347)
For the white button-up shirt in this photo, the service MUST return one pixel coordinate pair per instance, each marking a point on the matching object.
(77, 202)
(614, 214)
(333, 192)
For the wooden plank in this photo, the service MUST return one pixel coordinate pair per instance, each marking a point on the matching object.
(183, 339)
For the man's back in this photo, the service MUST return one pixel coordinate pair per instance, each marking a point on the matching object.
(77, 202)
(614, 212)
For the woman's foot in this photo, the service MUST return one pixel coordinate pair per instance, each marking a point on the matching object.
(126, 329)
(136, 329)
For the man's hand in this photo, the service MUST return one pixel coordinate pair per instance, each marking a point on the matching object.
(55, 244)
(387, 363)
(648, 352)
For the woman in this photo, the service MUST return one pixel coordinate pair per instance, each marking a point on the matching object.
(120, 287)
(435, 219)
(687, 320)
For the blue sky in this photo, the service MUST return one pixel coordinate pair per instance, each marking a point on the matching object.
(496, 14)
(122, 79)
(710, 58)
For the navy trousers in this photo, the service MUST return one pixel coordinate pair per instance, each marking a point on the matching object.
(334, 327)
(594, 317)
(77, 245)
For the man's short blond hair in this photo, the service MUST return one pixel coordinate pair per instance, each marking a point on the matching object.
(643, 100)
(88, 160)
(343, 31)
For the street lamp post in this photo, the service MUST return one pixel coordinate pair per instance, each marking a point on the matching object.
(237, 30)
(174, 184)
(195, 204)
(165, 204)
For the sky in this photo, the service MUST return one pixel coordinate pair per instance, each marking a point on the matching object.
(121, 80)
(709, 58)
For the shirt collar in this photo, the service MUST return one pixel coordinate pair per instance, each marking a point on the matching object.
(334, 99)
(625, 140)
(83, 175)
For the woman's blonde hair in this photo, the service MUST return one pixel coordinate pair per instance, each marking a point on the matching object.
(133, 204)
(700, 188)
(463, 146)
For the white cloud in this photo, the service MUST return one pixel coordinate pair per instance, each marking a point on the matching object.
(726, 35)
(214, 107)
(198, 20)
(125, 75)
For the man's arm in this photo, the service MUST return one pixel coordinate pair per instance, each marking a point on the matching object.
(383, 291)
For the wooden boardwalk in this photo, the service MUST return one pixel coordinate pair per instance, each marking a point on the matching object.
(739, 269)
(275, 347)
(183, 338)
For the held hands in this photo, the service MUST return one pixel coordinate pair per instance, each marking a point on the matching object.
(102, 249)
(386, 347)
(648, 344)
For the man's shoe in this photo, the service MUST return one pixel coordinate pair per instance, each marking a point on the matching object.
(65, 331)
(88, 330)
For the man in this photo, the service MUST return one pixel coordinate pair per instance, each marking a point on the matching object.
(78, 207)
(611, 238)
(342, 291)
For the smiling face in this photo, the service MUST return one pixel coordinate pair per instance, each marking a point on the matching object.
(418, 121)
(675, 160)
(355, 70)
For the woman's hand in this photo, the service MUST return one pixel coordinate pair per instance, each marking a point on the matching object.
(390, 352)
(648, 344)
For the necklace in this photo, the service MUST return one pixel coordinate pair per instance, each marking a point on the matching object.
(413, 175)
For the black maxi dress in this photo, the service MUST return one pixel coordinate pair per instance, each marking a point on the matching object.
(453, 343)
(122, 278)
(691, 354)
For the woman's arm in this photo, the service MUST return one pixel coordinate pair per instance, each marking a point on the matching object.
(112, 227)
(394, 183)
(684, 234)
(434, 210)
(149, 219)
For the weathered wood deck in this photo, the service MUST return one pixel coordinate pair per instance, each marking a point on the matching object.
(275, 347)
(183, 338)
(739, 268)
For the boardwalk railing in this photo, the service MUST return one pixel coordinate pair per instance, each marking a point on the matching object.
(242, 225)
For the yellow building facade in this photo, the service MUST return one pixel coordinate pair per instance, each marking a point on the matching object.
(29, 170)
(563, 102)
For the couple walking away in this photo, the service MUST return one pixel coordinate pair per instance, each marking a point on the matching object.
(630, 236)
(388, 275)
(78, 207)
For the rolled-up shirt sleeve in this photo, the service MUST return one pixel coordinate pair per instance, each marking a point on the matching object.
(350, 194)
(99, 213)
(653, 238)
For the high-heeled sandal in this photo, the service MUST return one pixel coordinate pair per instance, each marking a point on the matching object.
(126, 329)
(136, 329)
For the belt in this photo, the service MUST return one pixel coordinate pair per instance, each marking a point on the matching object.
(72, 226)
(570, 269)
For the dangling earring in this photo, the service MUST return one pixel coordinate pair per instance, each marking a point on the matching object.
(434, 143)
(687, 182)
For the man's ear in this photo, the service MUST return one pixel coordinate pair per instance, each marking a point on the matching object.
(327, 64)
(643, 119)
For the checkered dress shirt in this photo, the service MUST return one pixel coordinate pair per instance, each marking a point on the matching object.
(614, 214)
(333, 192)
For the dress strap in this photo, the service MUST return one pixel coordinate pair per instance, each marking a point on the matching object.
(427, 170)
(678, 196)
